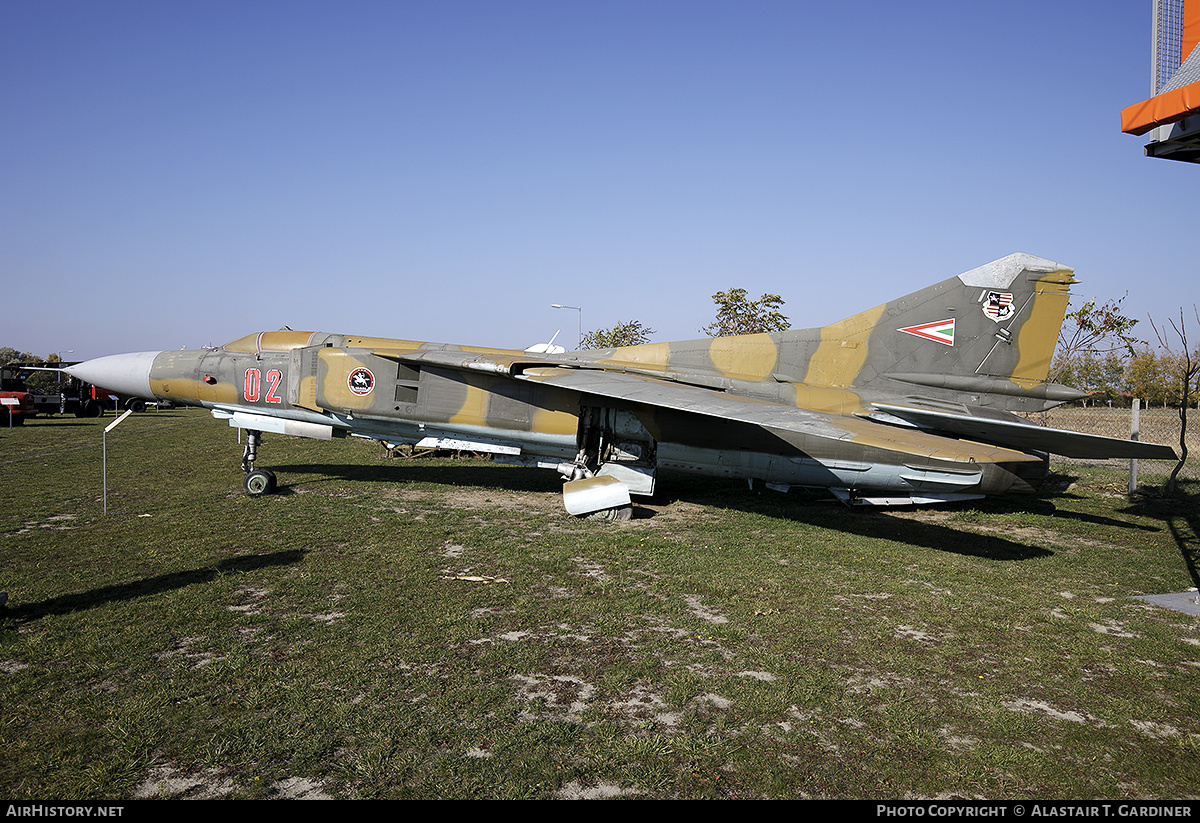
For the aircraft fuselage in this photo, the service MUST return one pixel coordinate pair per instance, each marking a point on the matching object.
(400, 392)
(915, 400)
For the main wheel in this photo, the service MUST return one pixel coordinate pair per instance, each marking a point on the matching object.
(259, 482)
(622, 513)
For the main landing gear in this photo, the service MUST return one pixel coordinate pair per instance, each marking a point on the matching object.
(257, 481)
(592, 496)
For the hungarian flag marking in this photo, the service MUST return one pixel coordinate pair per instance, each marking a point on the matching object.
(942, 331)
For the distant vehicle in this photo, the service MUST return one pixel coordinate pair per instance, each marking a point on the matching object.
(92, 401)
(17, 403)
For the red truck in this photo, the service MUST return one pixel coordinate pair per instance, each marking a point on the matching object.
(16, 402)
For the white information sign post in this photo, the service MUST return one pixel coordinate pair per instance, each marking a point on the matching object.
(104, 453)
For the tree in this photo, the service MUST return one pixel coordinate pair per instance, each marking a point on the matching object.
(1101, 374)
(10, 355)
(632, 333)
(1185, 375)
(1144, 376)
(1092, 329)
(737, 315)
(39, 382)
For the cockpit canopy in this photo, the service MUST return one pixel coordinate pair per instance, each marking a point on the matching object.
(278, 341)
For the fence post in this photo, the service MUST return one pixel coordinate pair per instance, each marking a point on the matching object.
(1134, 428)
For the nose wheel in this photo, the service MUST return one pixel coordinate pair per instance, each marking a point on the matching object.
(257, 481)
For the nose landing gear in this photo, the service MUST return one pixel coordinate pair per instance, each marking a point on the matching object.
(257, 481)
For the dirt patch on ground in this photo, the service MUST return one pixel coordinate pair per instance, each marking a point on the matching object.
(477, 498)
(167, 782)
(467, 498)
(59, 522)
(647, 514)
(666, 515)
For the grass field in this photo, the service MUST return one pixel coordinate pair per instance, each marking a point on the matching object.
(442, 629)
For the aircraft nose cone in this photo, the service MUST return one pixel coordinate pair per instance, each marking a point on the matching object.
(122, 373)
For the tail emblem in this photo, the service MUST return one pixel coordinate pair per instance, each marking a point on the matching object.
(998, 305)
(942, 331)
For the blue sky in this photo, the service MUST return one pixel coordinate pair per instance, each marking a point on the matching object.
(177, 174)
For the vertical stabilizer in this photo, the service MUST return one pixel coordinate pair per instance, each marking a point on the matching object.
(992, 329)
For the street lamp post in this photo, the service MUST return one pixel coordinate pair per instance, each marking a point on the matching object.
(579, 336)
(59, 355)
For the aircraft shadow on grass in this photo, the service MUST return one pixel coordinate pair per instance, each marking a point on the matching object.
(812, 509)
(83, 601)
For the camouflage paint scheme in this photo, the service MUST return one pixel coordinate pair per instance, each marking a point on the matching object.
(912, 401)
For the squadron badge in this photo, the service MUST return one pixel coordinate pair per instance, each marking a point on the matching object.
(361, 381)
(998, 305)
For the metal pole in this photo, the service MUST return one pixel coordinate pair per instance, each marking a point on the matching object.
(579, 336)
(1134, 430)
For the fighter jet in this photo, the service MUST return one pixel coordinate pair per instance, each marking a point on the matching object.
(914, 401)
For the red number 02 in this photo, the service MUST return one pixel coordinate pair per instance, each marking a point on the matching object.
(273, 378)
(250, 390)
(254, 384)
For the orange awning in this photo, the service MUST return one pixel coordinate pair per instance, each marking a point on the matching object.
(1168, 107)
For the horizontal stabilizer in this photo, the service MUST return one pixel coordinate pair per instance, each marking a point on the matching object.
(1027, 436)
